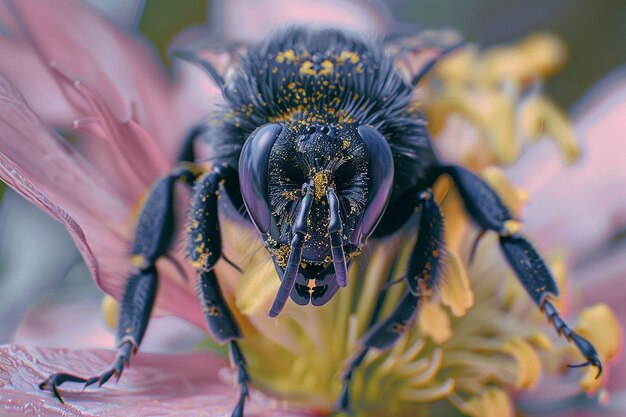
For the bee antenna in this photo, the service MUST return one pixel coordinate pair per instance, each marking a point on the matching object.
(335, 230)
(295, 254)
(431, 63)
(191, 56)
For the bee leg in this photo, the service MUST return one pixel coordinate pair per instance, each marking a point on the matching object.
(488, 211)
(152, 239)
(204, 250)
(422, 275)
(428, 66)
(187, 152)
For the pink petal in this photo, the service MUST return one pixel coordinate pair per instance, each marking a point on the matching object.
(35, 81)
(123, 70)
(154, 385)
(32, 160)
(591, 205)
(125, 13)
(55, 177)
(75, 321)
(76, 324)
(251, 21)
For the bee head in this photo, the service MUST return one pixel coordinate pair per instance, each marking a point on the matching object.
(328, 182)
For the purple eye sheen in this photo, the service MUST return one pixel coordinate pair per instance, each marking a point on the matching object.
(381, 173)
(253, 173)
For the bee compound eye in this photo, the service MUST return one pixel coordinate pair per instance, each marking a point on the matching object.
(253, 173)
(381, 178)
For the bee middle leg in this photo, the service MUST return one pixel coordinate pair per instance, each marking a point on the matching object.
(422, 275)
(204, 249)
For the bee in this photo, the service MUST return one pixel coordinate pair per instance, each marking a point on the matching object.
(320, 147)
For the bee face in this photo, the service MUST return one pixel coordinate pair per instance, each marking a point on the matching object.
(287, 169)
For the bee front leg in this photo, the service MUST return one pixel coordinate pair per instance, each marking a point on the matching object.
(422, 275)
(153, 234)
(204, 249)
(488, 211)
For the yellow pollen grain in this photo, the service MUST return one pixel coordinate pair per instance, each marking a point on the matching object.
(138, 261)
(288, 55)
(348, 56)
(320, 182)
(327, 67)
(512, 227)
(110, 311)
(307, 68)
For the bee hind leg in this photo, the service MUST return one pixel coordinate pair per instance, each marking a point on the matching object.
(488, 211)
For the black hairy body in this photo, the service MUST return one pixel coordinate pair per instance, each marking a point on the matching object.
(302, 78)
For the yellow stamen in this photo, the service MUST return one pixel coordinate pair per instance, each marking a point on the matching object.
(493, 403)
(435, 322)
(599, 325)
(528, 363)
(456, 291)
(110, 311)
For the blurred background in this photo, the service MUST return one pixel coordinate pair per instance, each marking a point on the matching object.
(39, 265)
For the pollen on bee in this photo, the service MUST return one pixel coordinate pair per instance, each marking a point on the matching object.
(283, 56)
(350, 56)
(512, 227)
(327, 67)
(321, 182)
(138, 261)
(307, 68)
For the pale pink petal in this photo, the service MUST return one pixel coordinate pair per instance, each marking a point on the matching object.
(125, 13)
(55, 177)
(20, 64)
(123, 70)
(63, 322)
(51, 174)
(251, 20)
(581, 206)
(76, 321)
(154, 385)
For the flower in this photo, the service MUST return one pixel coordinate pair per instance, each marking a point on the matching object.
(474, 345)
(594, 218)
